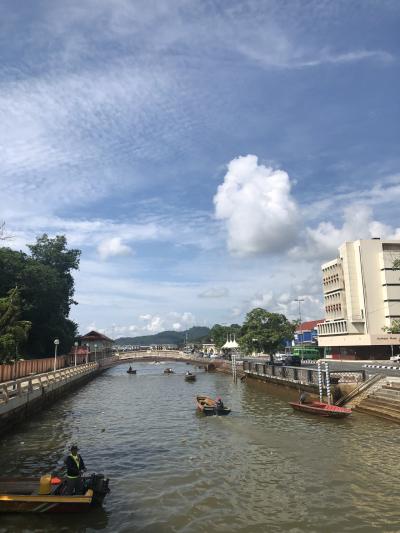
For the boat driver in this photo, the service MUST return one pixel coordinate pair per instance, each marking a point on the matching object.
(75, 466)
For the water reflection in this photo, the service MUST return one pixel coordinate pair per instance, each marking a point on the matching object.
(262, 468)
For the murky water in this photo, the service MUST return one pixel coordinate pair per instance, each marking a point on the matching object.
(262, 469)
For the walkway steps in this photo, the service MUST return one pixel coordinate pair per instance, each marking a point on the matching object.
(383, 402)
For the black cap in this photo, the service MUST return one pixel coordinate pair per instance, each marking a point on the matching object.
(74, 447)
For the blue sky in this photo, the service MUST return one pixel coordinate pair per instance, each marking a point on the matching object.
(205, 156)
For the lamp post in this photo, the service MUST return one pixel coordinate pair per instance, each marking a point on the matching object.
(95, 353)
(76, 348)
(255, 341)
(299, 300)
(56, 343)
(88, 351)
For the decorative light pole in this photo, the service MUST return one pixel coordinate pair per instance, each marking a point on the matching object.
(76, 348)
(88, 351)
(95, 353)
(255, 341)
(299, 300)
(56, 343)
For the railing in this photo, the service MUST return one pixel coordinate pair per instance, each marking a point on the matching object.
(305, 376)
(23, 386)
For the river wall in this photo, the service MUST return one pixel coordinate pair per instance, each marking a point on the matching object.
(23, 398)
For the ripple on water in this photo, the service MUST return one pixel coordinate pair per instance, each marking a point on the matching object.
(263, 468)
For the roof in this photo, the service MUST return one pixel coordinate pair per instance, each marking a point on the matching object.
(95, 336)
(310, 325)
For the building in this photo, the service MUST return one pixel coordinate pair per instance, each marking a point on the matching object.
(361, 299)
(98, 345)
(307, 333)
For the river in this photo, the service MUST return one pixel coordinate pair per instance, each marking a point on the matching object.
(261, 469)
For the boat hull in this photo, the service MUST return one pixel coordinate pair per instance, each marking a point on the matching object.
(321, 409)
(190, 378)
(208, 407)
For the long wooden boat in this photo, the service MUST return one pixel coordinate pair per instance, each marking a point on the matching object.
(190, 377)
(208, 406)
(321, 409)
(43, 495)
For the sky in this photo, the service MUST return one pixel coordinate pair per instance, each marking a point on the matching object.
(205, 156)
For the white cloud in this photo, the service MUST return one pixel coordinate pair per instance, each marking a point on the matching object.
(215, 292)
(112, 247)
(256, 204)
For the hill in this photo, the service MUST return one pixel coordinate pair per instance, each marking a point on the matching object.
(194, 334)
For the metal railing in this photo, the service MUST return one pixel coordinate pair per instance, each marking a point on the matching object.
(305, 376)
(26, 385)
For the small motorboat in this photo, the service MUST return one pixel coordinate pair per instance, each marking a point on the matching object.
(208, 406)
(190, 377)
(168, 371)
(131, 371)
(47, 495)
(321, 409)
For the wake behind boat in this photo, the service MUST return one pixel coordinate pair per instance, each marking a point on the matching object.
(208, 406)
(321, 409)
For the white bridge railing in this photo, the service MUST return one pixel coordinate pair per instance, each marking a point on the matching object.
(10, 390)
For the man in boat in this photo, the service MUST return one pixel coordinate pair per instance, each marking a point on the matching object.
(303, 397)
(219, 403)
(75, 466)
(130, 368)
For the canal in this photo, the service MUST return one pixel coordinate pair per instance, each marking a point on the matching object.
(262, 469)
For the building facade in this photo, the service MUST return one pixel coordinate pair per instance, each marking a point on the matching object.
(361, 299)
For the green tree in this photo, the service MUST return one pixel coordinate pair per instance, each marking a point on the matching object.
(47, 288)
(393, 328)
(265, 332)
(219, 334)
(13, 332)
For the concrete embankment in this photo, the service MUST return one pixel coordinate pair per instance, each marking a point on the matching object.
(25, 397)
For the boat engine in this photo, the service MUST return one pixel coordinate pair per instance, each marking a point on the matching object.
(99, 484)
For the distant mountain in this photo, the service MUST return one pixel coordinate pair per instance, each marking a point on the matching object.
(195, 334)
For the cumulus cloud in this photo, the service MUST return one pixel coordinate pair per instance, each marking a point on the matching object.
(113, 247)
(214, 292)
(256, 203)
(323, 241)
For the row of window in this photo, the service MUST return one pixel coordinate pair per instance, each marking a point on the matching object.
(329, 328)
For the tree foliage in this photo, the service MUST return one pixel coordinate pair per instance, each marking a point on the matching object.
(219, 334)
(13, 332)
(46, 288)
(393, 328)
(265, 332)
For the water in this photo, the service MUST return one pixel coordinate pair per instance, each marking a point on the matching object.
(262, 469)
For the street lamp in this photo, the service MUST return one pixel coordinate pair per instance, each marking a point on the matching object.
(56, 343)
(299, 300)
(95, 353)
(255, 341)
(88, 351)
(76, 348)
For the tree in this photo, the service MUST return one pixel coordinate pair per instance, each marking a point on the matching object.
(13, 332)
(47, 287)
(393, 328)
(265, 332)
(219, 334)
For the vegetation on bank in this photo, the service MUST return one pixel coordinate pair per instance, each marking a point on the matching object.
(262, 331)
(36, 294)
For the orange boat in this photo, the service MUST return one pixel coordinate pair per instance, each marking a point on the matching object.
(321, 409)
(45, 495)
(208, 406)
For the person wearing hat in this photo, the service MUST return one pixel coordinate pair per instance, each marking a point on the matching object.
(75, 466)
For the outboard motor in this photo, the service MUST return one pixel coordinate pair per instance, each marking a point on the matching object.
(99, 484)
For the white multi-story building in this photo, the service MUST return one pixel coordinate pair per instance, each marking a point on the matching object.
(361, 299)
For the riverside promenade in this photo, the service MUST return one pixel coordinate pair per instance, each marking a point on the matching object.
(26, 396)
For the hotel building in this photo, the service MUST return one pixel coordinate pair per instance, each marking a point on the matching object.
(361, 298)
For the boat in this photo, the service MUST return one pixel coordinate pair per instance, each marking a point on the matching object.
(131, 371)
(321, 409)
(168, 371)
(190, 377)
(208, 406)
(47, 494)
